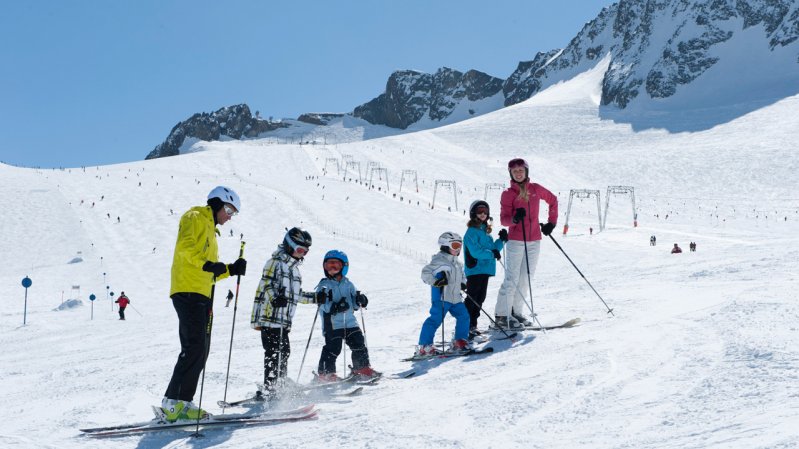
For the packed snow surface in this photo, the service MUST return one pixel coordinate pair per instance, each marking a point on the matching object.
(701, 353)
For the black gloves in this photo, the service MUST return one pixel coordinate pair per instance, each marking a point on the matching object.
(442, 281)
(361, 300)
(340, 306)
(239, 267)
(323, 296)
(503, 235)
(519, 215)
(280, 301)
(463, 286)
(547, 228)
(218, 268)
(497, 255)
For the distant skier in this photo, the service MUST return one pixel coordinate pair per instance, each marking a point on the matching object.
(445, 276)
(339, 299)
(229, 298)
(519, 212)
(195, 269)
(123, 302)
(480, 258)
(276, 299)
(676, 249)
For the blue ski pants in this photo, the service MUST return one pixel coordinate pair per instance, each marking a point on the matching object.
(438, 310)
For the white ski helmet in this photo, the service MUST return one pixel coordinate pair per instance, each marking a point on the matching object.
(227, 195)
(447, 238)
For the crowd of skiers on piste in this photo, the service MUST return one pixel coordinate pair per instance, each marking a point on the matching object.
(455, 288)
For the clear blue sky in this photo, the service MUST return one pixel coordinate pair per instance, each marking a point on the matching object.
(89, 82)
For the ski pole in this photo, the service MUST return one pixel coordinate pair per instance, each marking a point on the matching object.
(519, 290)
(134, 309)
(307, 345)
(208, 329)
(363, 325)
(344, 341)
(443, 316)
(278, 380)
(489, 317)
(610, 311)
(233, 326)
(529, 281)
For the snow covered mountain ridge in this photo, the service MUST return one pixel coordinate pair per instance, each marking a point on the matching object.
(665, 56)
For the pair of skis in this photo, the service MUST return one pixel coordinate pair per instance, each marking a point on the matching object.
(239, 420)
(447, 355)
(571, 323)
(354, 380)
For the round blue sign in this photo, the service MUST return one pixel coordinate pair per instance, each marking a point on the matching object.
(92, 297)
(112, 293)
(27, 282)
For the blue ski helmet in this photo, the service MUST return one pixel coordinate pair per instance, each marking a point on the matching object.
(338, 255)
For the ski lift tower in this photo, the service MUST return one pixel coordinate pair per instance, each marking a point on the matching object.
(333, 160)
(620, 190)
(582, 194)
(410, 173)
(492, 186)
(346, 158)
(353, 165)
(381, 171)
(445, 183)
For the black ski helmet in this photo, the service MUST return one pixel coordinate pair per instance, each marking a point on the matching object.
(296, 237)
(476, 205)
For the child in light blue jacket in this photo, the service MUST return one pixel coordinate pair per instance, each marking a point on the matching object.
(339, 300)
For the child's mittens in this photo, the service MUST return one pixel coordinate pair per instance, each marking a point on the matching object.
(442, 281)
(340, 306)
(361, 300)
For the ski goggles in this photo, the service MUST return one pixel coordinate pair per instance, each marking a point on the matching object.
(481, 210)
(518, 162)
(301, 250)
(230, 210)
(456, 245)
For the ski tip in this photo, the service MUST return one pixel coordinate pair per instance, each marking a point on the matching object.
(572, 322)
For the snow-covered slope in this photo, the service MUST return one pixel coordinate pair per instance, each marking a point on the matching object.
(702, 351)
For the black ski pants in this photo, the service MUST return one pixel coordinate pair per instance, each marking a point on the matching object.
(334, 340)
(476, 288)
(121, 313)
(195, 317)
(277, 349)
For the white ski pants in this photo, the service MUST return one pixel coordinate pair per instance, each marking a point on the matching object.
(514, 290)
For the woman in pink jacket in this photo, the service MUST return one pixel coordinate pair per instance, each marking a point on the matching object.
(519, 212)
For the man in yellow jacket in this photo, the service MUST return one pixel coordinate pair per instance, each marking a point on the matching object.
(195, 269)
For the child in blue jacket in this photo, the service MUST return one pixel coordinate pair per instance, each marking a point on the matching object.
(480, 257)
(340, 299)
(444, 274)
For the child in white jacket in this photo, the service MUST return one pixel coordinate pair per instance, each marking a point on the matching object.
(445, 275)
